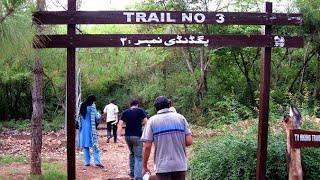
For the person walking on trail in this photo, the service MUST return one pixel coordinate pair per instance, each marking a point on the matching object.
(170, 133)
(111, 111)
(133, 118)
(88, 137)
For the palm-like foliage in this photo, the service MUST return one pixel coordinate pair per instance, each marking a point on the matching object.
(16, 52)
(15, 29)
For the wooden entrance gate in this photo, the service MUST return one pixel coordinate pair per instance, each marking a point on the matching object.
(71, 41)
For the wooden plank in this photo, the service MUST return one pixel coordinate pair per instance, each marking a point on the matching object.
(302, 138)
(165, 40)
(264, 102)
(165, 17)
(71, 98)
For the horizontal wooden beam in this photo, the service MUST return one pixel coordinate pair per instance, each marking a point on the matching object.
(165, 40)
(165, 17)
(302, 138)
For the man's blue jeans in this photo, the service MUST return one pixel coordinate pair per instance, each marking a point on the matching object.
(96, 155)
(135, 158)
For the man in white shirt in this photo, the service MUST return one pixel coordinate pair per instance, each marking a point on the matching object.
(111, 112)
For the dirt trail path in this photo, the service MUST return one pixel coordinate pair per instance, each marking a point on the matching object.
(113, 155)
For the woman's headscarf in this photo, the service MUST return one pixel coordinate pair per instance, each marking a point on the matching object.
(88, 102)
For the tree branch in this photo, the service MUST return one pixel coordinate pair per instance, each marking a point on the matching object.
(237, 62)
(298, 74)
(9, 12)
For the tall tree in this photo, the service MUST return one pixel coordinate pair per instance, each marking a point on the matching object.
(311, 28)
(37, 105)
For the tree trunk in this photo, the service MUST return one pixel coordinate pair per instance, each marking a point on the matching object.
(202, 85)
(37, 114)
(37, 105)
(317, 89)
(293, 154)
(245, 70)
(250, 89)
(304, 69)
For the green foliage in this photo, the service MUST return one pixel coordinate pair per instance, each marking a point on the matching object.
(54, 123)
(230, 94)
(233, 156)
(53, 171)
(310, 163)
(311, 14)
(19, 125)
(225, 158)
(16, 53)
(228, 111)
(9, 159)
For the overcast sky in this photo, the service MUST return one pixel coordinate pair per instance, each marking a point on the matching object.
(92, 5)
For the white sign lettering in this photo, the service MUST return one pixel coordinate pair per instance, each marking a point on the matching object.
(169, 18)
(141, 17)
(153, 17)
(199, 18)
(307, 137)
(316, 138)
(166, 17)
(186, 17)
(220, 17)
(128, 14)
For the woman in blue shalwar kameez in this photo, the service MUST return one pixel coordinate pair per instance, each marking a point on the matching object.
(87, 131)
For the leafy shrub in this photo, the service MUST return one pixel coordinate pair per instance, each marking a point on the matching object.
(19, 125)
(233, 156)
(54, 124)
(310, 159)
(227, 111)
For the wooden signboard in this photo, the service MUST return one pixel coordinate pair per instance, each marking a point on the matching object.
(301, 138)
(167, 40)
(166, 17)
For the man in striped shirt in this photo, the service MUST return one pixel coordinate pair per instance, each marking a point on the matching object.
(170, 133)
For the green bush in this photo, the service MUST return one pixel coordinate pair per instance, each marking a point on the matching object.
(217, 159)
(233, 156)
(19, 125)
(227, 111)
(54, 124)
(311, 163)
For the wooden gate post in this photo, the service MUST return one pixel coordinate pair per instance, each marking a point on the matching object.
(71, 96)
(293, 154)
(264, 103)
